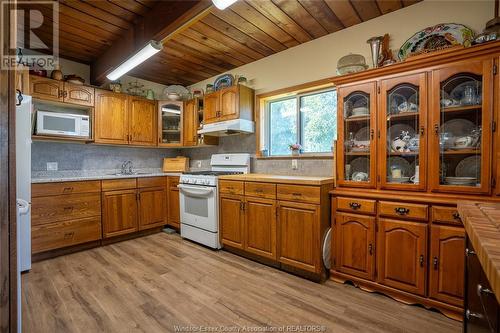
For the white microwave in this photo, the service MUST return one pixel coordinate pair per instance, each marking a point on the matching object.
(64, 124)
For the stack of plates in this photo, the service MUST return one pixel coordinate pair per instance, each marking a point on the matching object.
(399, 180)
(461, 181)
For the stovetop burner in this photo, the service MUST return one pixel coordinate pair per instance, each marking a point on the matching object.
(213, 173)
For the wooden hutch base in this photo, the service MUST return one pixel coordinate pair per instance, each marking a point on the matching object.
(393, 232)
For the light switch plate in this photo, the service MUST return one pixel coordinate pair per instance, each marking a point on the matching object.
(198, 164)
(52, 166)
(295, 164)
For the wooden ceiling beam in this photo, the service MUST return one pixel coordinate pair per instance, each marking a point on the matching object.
(163, 21)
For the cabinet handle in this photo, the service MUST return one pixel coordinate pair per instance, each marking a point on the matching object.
(372, 133)
(297, 194)
(242, 206)
(469, 315)
(469, 252)
(259, 190)
(401, 211)
(65, 94)
(370, 249)
(456, 216)
(354, 205)
(480, 289)
(68, 208)
(436, 129)
(421, 260)
(68, 189)
(435, 262)
(422, 130)
(69, 235)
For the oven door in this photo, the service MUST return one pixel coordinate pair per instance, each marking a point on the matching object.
(198, 205)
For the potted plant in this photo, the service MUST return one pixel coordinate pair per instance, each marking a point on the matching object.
(295, 148)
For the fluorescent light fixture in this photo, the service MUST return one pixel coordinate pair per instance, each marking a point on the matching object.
(223, 4)
(145, 53)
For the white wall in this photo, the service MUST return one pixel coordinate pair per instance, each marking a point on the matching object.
(318, 58)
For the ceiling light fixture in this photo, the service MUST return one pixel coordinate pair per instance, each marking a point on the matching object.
(223, 4)
(145, 53)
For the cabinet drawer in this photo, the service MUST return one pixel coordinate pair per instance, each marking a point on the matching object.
(119, 184)
(299, 193)
(403, 210)
(65, 207)
(46, 189)
(231, 187)
(444, 214)
(261, 190)
(356, 205)
(172, 181)
(61, 234)
(151, 182)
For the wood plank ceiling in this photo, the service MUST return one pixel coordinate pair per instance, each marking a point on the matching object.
(222, 40)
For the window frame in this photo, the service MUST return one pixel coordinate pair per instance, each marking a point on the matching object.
(267, 122)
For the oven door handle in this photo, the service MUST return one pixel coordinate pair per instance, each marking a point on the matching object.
(195, 191)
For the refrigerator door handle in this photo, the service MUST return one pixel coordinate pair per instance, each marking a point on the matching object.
(23, 206)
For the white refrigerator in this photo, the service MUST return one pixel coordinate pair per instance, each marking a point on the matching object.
(23, 190)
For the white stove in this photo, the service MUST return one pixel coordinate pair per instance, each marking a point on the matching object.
(199, 198)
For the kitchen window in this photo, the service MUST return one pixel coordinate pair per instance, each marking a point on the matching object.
(309, 119)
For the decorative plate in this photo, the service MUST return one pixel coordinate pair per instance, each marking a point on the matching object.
(439, 36)
(458, 127)
(223, 81)
(469, 167)
(363, 134)
(400, 163)
(360, 164)
(396, 130)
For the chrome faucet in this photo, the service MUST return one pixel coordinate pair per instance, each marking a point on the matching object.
(127, 168)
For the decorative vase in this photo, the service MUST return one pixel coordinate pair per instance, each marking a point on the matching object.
(57, 74)
(375, 44)
(295, 152)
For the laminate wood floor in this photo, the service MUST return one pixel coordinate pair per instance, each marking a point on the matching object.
(160, 282)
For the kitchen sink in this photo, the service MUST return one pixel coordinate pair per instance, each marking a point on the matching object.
(129, 174)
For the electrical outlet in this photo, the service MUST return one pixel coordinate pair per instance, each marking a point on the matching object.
(52, 166)
(295, 164)
(198, 164)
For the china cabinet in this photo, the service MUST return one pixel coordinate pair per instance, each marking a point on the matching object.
(426, 131)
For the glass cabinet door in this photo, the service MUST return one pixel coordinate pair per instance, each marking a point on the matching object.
(403, 104)
(461, 117)
(170, 123)
(356, 147)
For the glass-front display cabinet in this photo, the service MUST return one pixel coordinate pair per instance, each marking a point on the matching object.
(403, 110)
(356, 147)
(461, 119)
(170, 123)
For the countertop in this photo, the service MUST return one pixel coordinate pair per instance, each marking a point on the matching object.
(266, 178)
(79, 175)
(482, 224)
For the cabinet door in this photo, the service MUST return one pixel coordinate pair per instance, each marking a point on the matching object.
(260, 227)
(46, 89)
(78, 94)
(152, 207)
(111, 118)
(355, 245)
(119, 212)
(298, 235)
(229, 103)
(142, 122)
(403, 109)
(173, 209)
(190, 123)
(232, 219)
(170, 123)
(356, 144)
(461, 118)
(211, 107)
(402, 255)
(446, 276)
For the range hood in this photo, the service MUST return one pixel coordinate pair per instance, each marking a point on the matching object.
(228, 127)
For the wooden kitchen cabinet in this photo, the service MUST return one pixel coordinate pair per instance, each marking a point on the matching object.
(111, 118)
(260, 227)
(142, 121)
(298, 232)
(232, 220)
(229, 103)
(173, 209)
(46, 89)
(354, 245)
(152, 207)
(402, 255)
(190, 123)
(78, 94)
(446, 278)
(119, 212)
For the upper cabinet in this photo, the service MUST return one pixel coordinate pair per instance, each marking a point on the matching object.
(125, 120)
(170, 123)
(461, 118)
(356, 148)
(403, 111)
(190, 122)
(59, 91)
(229, 103)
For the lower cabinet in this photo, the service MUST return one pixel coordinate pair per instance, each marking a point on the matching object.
(299, 237)
(232, 220)
(446, 275)
(173, 208)
(355, 245)
(260, 227)
(402, 253)
(119, 212)
(152, 207)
